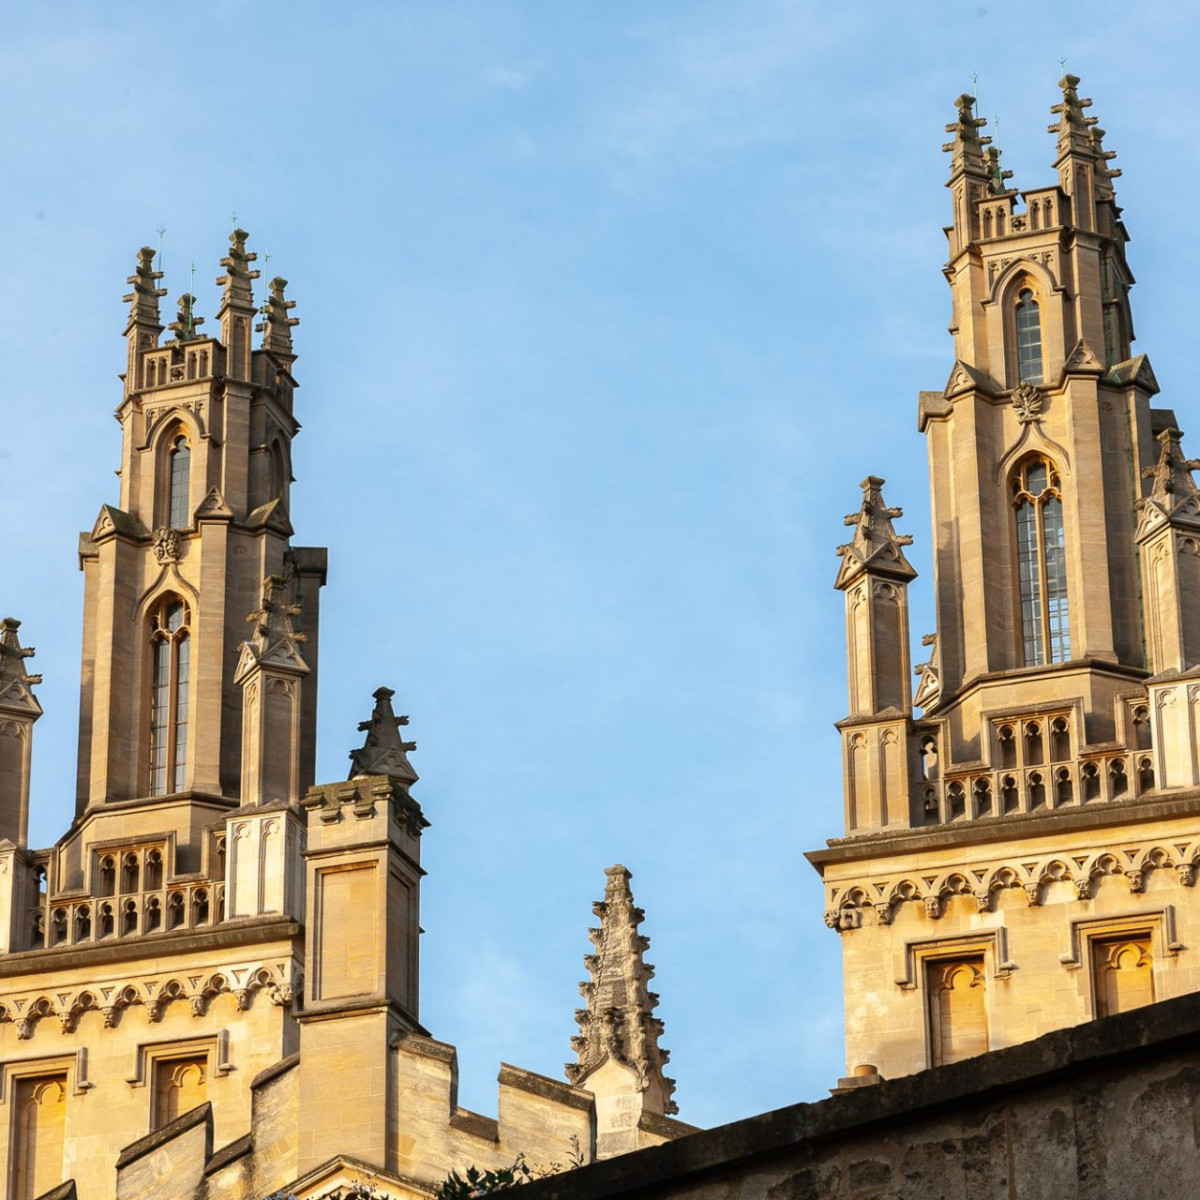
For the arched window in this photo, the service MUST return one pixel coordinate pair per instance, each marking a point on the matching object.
(1029, 339)
(179, 462)
(1041, 562)
(170, 651)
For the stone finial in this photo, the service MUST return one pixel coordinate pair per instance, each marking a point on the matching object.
(876, 546)
(618, 1023)
(966, 147)
(1172, 474)
(996, 174)
(384, 752)
(1072, 127)
(276, 326)
(16, 683)
(185, 323)
(238, 280)
(275, 640)
(143, 300)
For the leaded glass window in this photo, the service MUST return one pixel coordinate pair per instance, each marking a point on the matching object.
(170, 671)
(1029, 339)
(1041, 563)
(179, 514)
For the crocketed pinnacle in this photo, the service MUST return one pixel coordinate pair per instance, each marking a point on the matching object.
(996, 174)
(16, 683)
(1172, 474)
(876, 546)
(276, 326)
(384, 752)
(966, 147)
(143, 300)
(238, 280)
(275, 641)
(1074, 130)
(186, 322)
(618, 1022)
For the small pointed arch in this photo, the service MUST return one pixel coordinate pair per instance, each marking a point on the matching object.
(168, 693)
(1023, 294)
(279, 470)
(901, 890)
(1152, 858)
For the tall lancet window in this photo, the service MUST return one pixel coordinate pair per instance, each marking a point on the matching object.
(179, 515)
(1041, 562)
(170, 672)
(1029, 339)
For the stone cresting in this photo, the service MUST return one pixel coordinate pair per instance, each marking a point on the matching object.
(618, 1024)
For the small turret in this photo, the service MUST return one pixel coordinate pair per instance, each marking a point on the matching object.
(874, 574)
(619, 1059)
(270, 672)
(144, 327)
(237, 305)
(19, 709)
(1168, 538)
(384, 752)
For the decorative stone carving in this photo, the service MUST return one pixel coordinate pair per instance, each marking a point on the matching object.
(618, 1023)
(166, 545)
(1028, 400)
(384, 752)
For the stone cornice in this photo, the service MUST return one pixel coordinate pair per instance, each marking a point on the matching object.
(1020, 826)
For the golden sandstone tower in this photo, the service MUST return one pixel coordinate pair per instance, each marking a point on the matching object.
(209, 984)
(1022, 855)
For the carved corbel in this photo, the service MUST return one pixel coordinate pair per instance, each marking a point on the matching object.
(1033, 893)
(933, 907)
(883, 912)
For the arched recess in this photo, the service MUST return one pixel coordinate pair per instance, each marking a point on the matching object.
(175, 500)
(1008, 293)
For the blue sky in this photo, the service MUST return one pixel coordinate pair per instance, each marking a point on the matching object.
(606, 309)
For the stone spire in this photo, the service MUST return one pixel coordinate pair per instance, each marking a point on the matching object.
(19, 709)
(144, 327)
(876, 546)
(384, 752)
(966, 146)
(237, 304)
(1072, 127)
(617, 1026)
(185, 323)
(970, 179)
(1076, 161)
(276, 326)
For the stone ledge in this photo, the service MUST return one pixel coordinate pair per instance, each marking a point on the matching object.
(246, 932)
(236, 1149)
(475, 1124)
(200, 1115)
(282, 1067)
(1134, 1037)
(548, 1089)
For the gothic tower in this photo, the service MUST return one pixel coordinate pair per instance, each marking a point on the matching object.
(1021, 856)
(209, 985)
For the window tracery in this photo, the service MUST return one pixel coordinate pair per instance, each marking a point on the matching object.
(170, 648)
(1029, 338)
(1041, 562)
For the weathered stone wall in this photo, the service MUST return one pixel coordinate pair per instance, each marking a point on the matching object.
(1103, 1110)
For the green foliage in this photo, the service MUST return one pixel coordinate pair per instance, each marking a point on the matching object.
(477, 1183)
